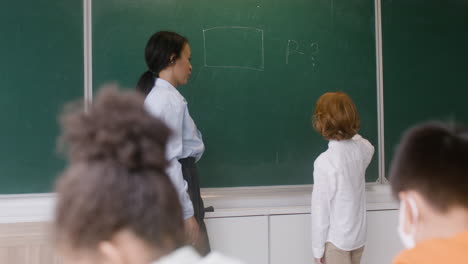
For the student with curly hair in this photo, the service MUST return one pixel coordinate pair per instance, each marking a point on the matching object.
(115, 202)
(338, 209)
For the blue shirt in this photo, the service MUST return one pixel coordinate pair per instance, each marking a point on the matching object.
(165, 102)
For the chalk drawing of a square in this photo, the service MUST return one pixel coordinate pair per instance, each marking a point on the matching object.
(234, 47)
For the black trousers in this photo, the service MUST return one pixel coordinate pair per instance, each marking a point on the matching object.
(189, 171)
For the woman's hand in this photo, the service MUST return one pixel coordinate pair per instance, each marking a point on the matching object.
(192, 230)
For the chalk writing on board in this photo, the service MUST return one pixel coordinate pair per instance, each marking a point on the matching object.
(309, 49)
(292, 48)
(253, 62)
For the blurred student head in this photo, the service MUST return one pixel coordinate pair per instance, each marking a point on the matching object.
(429, 175)
(115, 202)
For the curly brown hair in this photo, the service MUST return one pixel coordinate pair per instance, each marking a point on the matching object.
(336, 116)
(116, 176)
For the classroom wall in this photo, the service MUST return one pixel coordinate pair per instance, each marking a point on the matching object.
(261, 72)
(44, 66)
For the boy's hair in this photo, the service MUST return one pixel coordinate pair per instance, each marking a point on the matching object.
(116, 176)
(336, 116)
(432, 159)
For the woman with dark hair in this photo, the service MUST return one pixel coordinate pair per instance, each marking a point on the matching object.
(167, 56)
(115, 203)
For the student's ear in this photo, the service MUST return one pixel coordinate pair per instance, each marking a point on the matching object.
(110, 254)
(172, 59)
(413, 206)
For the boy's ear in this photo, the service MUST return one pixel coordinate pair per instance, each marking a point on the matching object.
(110, 253)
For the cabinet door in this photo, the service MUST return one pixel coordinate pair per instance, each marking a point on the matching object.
(290, 239)
(244, 238)
(383, 243)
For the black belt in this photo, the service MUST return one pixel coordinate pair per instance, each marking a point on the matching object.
(187, 162)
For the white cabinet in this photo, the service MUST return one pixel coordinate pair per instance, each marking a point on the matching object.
(383, 243)
(244, 238)
(290, 239)
(271, 225)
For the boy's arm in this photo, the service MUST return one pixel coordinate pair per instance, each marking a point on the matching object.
(322, 194)
(368, 148)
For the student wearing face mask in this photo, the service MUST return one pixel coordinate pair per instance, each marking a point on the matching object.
(429, 175)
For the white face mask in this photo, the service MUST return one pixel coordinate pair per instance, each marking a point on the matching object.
(407, 239)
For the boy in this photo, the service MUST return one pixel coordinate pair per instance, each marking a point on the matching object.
(338, 198)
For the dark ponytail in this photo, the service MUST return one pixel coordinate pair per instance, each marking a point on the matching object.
(159, 49)
(146, 82)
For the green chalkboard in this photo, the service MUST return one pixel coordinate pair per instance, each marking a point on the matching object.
(425, 64)
(258, 68)
(41, 67)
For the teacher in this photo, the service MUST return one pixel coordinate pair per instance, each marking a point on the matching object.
(167, 56)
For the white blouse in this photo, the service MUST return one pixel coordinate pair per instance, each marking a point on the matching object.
(338, 208)
(166, 103)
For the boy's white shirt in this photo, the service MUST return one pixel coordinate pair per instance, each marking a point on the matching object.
(338, 207)
(187, 255)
